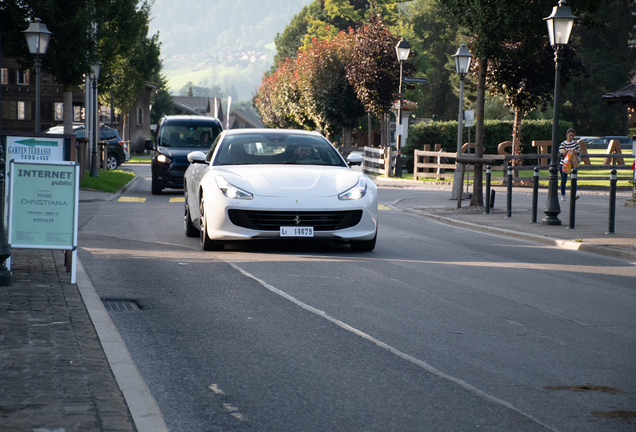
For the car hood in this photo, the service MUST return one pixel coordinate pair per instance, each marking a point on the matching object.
(290, 180)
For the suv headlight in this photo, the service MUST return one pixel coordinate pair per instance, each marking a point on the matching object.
(231, 191)
(356, 192)
(162, 158)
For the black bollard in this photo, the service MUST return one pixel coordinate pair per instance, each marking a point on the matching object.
(612, 203)
(509, 192)
(573, 182)
(535, 194)
(488, 173)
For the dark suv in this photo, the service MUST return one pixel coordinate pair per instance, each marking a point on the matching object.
(177, 136)
(117, 149)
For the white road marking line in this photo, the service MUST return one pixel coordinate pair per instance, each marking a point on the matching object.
(232, 410)
(389, 348)
(216, 389)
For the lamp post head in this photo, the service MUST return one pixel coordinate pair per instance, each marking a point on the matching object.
(462, 60)
(96, 69)
(38, 37)
(560, 24)
(402, 49)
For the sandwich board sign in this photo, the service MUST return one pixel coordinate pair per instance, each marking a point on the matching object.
(43, 206)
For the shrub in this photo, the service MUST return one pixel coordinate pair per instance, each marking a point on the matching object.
(495, 132)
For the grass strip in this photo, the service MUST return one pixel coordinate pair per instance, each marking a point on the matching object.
(108, 181)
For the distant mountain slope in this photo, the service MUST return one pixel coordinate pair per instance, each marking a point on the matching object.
(192, 26)
(200, 35)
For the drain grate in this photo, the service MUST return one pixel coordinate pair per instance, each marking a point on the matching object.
(121, 305)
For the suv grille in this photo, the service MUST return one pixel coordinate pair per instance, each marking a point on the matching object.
(273, 220)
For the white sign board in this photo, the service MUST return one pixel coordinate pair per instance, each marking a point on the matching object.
(43, 206)
(469, 118)
(30, 149)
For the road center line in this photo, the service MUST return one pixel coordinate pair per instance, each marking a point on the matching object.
(391, 349)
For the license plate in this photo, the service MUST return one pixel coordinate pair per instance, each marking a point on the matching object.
(296, 231)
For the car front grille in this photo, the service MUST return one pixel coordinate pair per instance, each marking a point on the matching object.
(273, 220)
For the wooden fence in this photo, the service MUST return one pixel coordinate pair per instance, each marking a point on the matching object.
(436, 164)
(376, 161)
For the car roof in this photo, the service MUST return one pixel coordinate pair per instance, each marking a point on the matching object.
(190, 119)
(268, 131)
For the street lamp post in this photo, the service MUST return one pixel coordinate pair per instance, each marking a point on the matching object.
(38, 37)
(402, 49)
(560, 24)
(97, 67)
(462, 64)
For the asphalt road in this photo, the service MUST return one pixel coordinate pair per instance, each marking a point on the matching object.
(438, 329)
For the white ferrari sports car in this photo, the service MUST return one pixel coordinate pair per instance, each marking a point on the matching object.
(278, 184)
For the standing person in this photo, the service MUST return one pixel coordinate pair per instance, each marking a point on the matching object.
(567, 146)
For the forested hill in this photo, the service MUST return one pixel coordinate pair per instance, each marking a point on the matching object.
(203, 35)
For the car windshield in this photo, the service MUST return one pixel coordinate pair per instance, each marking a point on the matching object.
(190, 135)
(277, 149)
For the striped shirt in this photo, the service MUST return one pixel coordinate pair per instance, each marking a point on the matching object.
(566, 147)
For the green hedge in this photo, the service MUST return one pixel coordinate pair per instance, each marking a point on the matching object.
(495, 132)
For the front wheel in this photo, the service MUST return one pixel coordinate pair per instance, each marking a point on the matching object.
(207, 244)
(364, 245)
(190, 229)
(154, 186)
(112, 161)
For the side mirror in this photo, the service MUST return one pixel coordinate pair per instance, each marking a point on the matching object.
(196, 157)
(148, 144)
(355, 159)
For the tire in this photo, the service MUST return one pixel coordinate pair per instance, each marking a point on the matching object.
(154, 186)
(207, 244)
(190, 229)
(363, 245)
(112, 161)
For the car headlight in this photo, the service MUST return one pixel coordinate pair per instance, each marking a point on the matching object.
(163, 158)
(356, 192)
(231, 191)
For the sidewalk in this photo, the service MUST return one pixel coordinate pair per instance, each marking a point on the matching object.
(63, 369)
(591, 217)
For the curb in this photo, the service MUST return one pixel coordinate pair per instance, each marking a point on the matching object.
(111, 196)
(549, 241)
(142, 405)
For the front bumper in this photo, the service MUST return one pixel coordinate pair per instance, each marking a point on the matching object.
(220, 227)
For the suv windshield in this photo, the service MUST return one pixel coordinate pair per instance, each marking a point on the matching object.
(175, 135)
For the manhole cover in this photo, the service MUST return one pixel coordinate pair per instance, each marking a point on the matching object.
(121, 305)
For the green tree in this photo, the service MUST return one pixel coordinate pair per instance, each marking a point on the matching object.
(161, 100)
(610, 60)
(522, 77)
(130, 58)
(288, 42)
(111, 31)
(496, 25)
(430, 30)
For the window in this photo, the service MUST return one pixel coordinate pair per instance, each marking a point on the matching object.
(23, 77)
(5, 76)
(140, 116)
(21, 111)
(104, 114)
(78, 113)
(58, 111)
